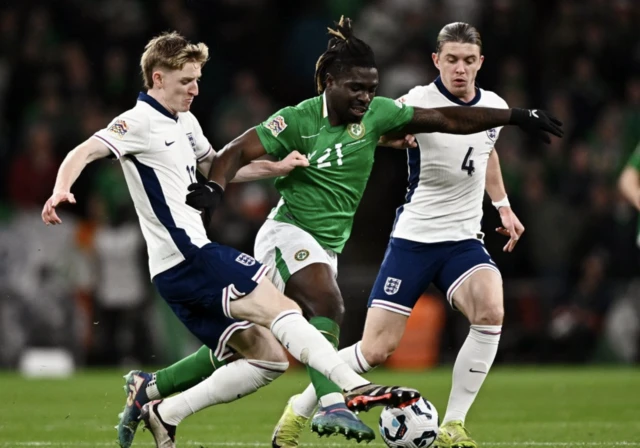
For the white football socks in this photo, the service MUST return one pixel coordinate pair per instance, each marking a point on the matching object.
(306, 403)
(471, 368)
(228, 383)
(307, 345)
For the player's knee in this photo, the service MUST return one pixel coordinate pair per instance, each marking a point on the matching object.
(286, 304)
(377, 353)
(278, 356)
(491, 314)
(325, 304)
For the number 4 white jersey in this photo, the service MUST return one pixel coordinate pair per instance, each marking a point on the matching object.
(446, 173)
(159, 153)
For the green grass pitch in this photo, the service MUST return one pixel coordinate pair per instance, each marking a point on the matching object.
(518, 407)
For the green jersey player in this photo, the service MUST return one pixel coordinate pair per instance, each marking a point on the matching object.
(338, 132)
(629, 183)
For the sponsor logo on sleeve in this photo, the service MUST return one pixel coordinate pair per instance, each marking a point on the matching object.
(276, 125)
(119, 128)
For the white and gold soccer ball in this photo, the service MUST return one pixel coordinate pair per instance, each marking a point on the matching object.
(414, 426)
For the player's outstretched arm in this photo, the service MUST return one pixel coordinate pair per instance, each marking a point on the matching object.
(470, 120)
(69, 171)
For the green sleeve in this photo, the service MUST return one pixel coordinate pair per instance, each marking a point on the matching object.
(634, 160)
(390, 115)
(279, 134)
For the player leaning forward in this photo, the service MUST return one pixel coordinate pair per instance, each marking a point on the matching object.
(338, 132)
(159, 143)
(437, 238)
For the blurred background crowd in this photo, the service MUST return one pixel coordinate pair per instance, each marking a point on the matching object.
(67, 67)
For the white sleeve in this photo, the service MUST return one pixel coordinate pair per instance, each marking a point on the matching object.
(499, 103)
(415, 97)
(202, 147)
(127, 134)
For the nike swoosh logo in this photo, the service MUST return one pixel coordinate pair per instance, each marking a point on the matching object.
(477, 371)
(169, 143)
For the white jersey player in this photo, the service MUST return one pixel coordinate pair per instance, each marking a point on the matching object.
(217, 292)
(437, 236)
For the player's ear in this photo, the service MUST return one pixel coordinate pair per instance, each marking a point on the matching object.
(157, 78)
(436, 60)
(481, 61)
(329, 80)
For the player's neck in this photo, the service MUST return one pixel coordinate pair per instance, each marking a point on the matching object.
(333, 118)
(160, 99)
(469, 95)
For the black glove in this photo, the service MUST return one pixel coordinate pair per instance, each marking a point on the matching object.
(537, 122)
(205, 197)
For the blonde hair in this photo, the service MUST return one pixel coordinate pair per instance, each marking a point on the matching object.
(171, 51)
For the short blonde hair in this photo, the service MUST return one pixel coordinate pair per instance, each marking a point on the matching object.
(170, 51)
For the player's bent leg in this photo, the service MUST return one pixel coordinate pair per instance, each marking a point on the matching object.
(300, 409)
(305, 272)
(337, 418)
(263, 305)
(142, 387)
(479, 297)
(265, 362)
(306, 344)
(383, 330)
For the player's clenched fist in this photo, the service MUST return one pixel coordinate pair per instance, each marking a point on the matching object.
(49, 215)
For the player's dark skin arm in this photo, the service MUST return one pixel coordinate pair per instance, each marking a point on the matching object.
(470, 120)
(456, 120)
(236, 154)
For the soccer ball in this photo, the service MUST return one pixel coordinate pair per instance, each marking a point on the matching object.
(414, 426)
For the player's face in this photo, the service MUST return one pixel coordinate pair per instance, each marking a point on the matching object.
(349, 95)
(459, 64)
(178, 88)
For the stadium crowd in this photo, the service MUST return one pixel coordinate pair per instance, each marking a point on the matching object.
(67, 67)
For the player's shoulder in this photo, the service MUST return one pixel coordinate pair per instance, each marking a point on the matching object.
(135, 121)
(190, 120)
(492, 99)
(304, 114)
(311, 107)
(382, 103)
(416, 96)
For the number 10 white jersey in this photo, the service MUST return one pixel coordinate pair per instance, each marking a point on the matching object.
(446, 173)
(159, 153)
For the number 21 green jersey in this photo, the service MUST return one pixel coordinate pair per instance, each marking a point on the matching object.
(322, 199)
